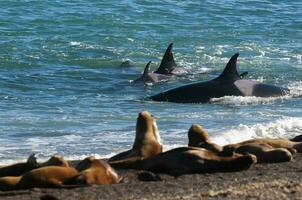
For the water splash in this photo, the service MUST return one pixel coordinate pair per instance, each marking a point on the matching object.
(286, 127)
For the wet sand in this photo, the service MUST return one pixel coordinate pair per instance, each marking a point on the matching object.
(261, 181)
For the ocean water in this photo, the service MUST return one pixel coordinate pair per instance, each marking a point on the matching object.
(62, 90)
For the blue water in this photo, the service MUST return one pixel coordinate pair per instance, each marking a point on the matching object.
(62, 90)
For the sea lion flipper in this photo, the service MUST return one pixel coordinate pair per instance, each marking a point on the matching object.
(123, 155)
(132, 162)
(32, 160)
(230, 71)
(167, 63)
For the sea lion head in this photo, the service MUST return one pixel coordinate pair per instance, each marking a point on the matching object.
(197, 134)
(95, 171)
(55, 161)
(146, 127)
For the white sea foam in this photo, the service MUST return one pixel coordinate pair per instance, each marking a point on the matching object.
(239, 100)
(81, 44)
(285, 127)
(299, 58)
(126, 59)
(74, 43)
(295, 89)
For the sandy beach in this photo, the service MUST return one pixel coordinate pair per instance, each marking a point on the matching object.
(261, 181)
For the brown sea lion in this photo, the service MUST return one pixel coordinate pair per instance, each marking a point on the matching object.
(293, 147)
(188, 160)
(9, 182)
(94, 171)
(199, 137)
(50, 176)
(264, 152)
(19, 168)
(55, 160)
(146, 144)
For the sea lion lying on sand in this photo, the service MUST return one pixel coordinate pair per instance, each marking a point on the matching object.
(94, 171)
(146, 144)
(266, 150)
(50, 176)
(293, 147)
(188, 160)
(21, 168)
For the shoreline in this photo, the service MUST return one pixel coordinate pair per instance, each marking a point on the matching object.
(261, 181)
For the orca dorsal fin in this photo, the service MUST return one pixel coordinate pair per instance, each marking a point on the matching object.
(147, 69)
(230, 71)
(167, 63)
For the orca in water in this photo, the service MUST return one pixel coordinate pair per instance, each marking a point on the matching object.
(166, 69)
(167, 65)
(229, 83)
(150, 77)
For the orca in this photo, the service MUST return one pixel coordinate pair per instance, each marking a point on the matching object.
(149, 77)
(229, 83)
(166, 69)
(167, 65)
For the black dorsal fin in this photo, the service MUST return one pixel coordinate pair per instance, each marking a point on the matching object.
(167, 63)
(147, 69)
(230, 71)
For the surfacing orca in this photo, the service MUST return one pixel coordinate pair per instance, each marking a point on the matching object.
(149, 77)
(167, 65)
(166, 69)
(229, 83)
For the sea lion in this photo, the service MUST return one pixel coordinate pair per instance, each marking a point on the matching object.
(94, 171)
(20, 168)
(50, 176)
(199, 137)
(147, 141)
(293, 147)
(55, 160)
(265, 153)
(189, 160)
(9, 182)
